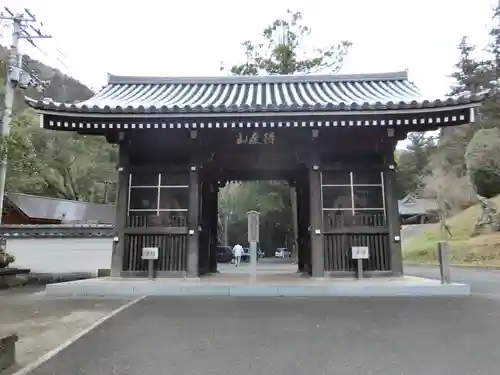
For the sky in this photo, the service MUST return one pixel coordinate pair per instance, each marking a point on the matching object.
(91, 38)
(191, 37)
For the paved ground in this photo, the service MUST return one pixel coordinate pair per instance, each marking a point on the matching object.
(483, 282)
(290, 336)
(43, 323)
(341, 336)
(266, 265)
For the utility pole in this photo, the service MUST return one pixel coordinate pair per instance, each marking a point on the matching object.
(15, 77)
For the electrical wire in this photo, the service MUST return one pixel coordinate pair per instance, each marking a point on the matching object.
(30, 30)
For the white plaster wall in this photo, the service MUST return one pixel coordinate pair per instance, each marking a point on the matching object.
(61, 255)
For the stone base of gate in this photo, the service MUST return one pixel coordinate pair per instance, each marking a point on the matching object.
(260, 287)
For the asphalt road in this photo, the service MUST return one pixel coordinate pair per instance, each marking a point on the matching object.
(341, 336)
(483, 282)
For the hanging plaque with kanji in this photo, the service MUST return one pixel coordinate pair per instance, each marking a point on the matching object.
(255, 138)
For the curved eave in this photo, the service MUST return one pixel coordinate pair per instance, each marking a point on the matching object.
(342, 109)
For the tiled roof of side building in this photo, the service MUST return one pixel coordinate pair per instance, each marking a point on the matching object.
(417, 206)
(251, 94)
(38, 207)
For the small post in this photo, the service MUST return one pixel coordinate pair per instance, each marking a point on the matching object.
(444, 262)
(150, 254)
(360, 268)
(359, 253)
(253, 239)
(151, 269)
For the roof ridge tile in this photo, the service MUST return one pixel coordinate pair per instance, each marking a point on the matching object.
(302, 78)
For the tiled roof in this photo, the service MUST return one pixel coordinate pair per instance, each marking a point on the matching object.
(254, 94)
(37, 207)
(416, 206)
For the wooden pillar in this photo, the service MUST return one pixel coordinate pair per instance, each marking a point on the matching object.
(295, 220)
(214, 225)
(193, 234)
(204, 240)
(300, 251)
(316, 219)
(121, 209)
(303, 227)
(392, 213)
(306, 223)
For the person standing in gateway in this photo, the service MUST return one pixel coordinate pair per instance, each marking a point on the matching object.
(238, 252)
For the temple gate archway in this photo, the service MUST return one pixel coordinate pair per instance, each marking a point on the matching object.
(333, 136)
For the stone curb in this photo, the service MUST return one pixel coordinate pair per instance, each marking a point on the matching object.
(474, 266)
(105, 289)
(45, 279)
(52, 278)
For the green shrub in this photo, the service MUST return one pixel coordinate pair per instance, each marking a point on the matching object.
(482, 158)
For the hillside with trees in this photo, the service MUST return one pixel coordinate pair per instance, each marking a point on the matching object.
(50, 163)
(463, 165)
(465, 155)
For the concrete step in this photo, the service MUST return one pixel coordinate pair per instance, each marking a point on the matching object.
(327, 287)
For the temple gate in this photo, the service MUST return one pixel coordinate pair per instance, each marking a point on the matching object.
(332, 137)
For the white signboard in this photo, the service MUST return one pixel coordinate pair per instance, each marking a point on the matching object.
(360, 252)
(149, 253)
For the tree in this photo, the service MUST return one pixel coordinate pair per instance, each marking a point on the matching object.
(414, 163)
(271, 200)
(458, 152)
(483, 162)
(58, 164)
(471, 76)
(55, 164)
(282, 51)
(490, 110)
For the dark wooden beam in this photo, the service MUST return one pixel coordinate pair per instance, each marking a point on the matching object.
(302, 224)
(121, 209)
(112, 137)
(214, 225)
(357, 230)
(156, 231)
(392, 210)
(316, 213)
(159, 168)
(204, 247)
(193, 242)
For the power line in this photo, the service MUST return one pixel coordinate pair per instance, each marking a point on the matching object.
(39, 33)
(16, 77)
(30, 29)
